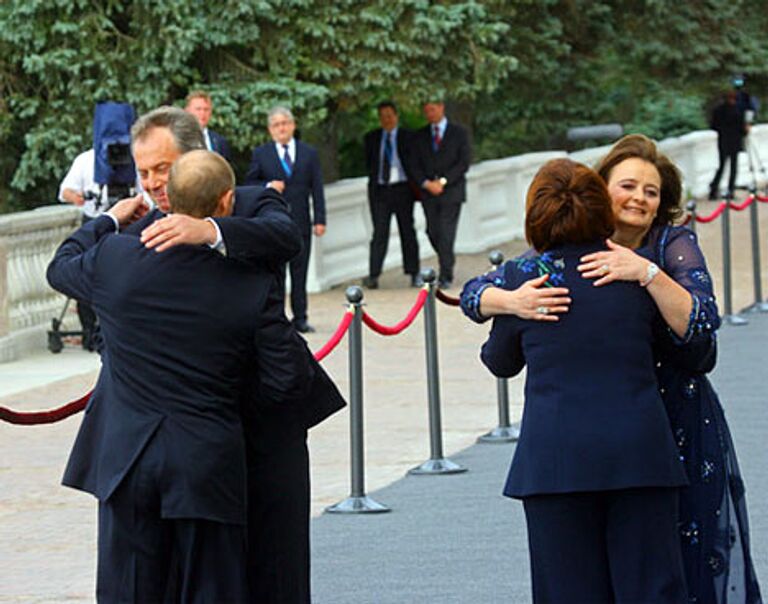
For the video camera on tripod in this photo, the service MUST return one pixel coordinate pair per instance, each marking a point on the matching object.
(114, 170)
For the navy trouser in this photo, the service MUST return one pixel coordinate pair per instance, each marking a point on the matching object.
(618, 546)
(384, 201)
(442, 224)
(139, 551)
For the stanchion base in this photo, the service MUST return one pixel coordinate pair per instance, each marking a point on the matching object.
(437, 466)
(756, 307)
(500, 434)
(357, 505)
(735, 320)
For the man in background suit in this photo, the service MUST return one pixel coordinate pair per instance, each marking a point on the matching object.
(387, 153)
(292, 168)
(441, 157)
(200, 104)
(164, 450)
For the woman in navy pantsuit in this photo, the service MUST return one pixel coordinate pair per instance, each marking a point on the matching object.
(596, 466)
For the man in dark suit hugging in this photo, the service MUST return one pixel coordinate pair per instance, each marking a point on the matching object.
(163, 450)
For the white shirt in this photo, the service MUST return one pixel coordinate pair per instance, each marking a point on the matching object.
(80, 179)
(441, 126)
(207, 137)
(291, 150)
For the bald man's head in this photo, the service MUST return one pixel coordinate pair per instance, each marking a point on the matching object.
(201, 183)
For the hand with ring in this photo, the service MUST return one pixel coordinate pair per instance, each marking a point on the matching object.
(618, 263)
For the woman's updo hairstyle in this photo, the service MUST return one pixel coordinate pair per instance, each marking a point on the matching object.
(567, 202)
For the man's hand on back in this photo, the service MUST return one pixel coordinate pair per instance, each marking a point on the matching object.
(129, 210)
(178, 229)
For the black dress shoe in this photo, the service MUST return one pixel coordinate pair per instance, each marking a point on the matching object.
(371, 282)
(416, 281)
(303, 327)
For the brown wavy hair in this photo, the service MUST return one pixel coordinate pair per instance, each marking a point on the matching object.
(641, 147)
(567, 202)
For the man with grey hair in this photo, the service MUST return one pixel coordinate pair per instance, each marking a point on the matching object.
(293, 168)
(161, 445)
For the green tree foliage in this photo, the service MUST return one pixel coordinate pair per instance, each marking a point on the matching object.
(519, 72)
(323, 59)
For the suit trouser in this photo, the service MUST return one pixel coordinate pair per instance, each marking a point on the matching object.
(139, 550)
(606, 546)
(442, 222)
(278, 508)
(733, 159)
(298, 269)
(384, 201)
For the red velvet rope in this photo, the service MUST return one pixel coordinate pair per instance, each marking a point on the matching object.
(761, 198)
(446, 299)
(387, 330)
(28, 418)
(742, 206)
(714, 215)
(336, 337)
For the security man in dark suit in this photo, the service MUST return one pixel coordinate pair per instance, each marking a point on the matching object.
(200, 104)
(387, 157)
(164, 451)
(441, 157)
(292, 168)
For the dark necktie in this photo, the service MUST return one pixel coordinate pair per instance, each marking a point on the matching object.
(436, 139)
(287, 161)
(386, 161)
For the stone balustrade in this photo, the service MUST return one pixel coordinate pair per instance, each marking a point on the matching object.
(27, 304)
(492, 214)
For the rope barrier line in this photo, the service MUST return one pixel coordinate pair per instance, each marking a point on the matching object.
(346, 321)
(742, 206)
(687, 220)
(29, 418)
(761, 198)
(446, 299)
(386, 330)
(714, 215)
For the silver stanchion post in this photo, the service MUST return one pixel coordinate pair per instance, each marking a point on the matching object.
(725, 224)
(504, 432)
(691, 207)
(759, 304)
(357, 502)
(437, 463)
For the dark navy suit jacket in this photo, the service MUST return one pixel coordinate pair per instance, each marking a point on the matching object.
(220, 145)
(182, 331)
(306, 179)
(593, 417)
(450, 161)
(267, 238)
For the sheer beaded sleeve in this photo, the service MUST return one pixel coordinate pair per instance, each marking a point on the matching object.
(679, 255)
(474, 288)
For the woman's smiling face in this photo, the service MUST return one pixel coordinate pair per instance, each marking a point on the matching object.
(635, 189)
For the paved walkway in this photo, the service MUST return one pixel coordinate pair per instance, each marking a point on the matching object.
(448, 539)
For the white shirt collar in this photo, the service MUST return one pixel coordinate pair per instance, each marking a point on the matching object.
(291, 149)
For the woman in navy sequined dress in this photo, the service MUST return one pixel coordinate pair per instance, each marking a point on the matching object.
(713, 522)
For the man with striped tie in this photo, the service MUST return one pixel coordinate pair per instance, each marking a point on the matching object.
(292, 168)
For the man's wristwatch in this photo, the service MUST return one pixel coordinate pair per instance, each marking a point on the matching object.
(443, 180)
(650, 273)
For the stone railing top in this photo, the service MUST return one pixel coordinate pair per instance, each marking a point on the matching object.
(38, 219)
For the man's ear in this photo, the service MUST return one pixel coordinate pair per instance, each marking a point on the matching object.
(226, 201)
